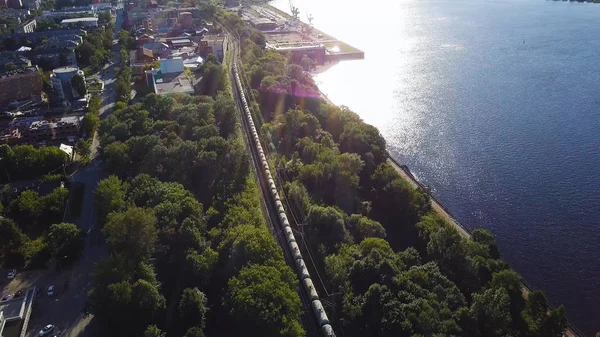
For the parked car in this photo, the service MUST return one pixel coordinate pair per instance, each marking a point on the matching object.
(48, 329)
(18, 294)
(5, 298)
(12, 273)
(51, 290)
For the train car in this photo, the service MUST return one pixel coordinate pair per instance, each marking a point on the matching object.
(295, 250)
(289, 235)
(284, 220)
(310, 289)
(320, 313)
(327, 330)
(279, 206)
(302, 270)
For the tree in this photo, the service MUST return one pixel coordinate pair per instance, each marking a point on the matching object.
(363, 227)
(9, 66)
(82, 148)
(153, 331)
(225, 115)
(89, 123)
(194, 332)
(78, 84)
(65, 239)
(326, 226)
(264, 299)
(192, 308)
(491, 312)
(147, 303)
(245, 245)
(12, 241)
(110, 196)
(53, 206)
(132, 233)
(117, 158)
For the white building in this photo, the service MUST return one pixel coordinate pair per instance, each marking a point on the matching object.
(28, 27)
(86, 22)
(61, 82)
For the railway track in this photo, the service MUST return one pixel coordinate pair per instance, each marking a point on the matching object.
(271, 214)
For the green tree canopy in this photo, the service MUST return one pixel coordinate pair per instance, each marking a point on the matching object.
(263, 298)
(110, 196)
(132, 232)
(192, 308)
(65, 239)
(78, 84)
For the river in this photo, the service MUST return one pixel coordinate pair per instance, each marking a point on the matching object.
(496, 106)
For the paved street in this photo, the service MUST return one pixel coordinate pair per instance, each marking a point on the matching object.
(64, 309)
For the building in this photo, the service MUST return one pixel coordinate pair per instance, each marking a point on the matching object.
(37, 37)
(185, 18)
(32, 4)
(170, 78)
(85, 22)
(61, 82)
(263, 24)
(20, 14)
(49, 58)
(2, 322)
(213, 44)
(17, 60)
(15, 4)
(20, 84)
(34, 130)
(159, 49)
(28, 27)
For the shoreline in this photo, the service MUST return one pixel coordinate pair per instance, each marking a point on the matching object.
(446, 214)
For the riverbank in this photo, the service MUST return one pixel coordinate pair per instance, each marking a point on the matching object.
(445, 214)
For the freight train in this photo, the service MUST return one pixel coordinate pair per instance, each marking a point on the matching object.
(303, 274)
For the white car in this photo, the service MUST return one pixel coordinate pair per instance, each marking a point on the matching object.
(5, 298)
(48, 329)
(12, 273)
(51, 291)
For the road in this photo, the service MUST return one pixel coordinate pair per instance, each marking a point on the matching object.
(66, 307)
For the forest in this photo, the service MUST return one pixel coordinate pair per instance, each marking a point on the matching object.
(392, 267)
(189, 250)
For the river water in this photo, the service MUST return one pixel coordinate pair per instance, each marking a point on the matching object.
(496, 106)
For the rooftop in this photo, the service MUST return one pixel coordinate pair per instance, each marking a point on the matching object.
(41, 123)
(13, 309)
(181, 41)
(66, 69)
(172, 83)
(75, 20)
(18, 71)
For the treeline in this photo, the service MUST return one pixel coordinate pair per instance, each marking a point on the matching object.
(189, 250)
(96, 49)
(31, 232)
(25, 161)
(399, 270)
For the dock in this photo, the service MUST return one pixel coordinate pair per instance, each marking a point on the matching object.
(287, 35)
